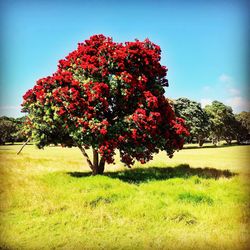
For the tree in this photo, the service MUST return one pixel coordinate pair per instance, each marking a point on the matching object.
(223, 122)
(11, 129)
(19, 135)
(8, 129)
(197, 120)
(106, 96)
(244, 119)
(243, 126)
(241, 133)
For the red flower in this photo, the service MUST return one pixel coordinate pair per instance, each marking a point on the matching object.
(103, 131)
(61, 111)
(134, 134)
(121, 138)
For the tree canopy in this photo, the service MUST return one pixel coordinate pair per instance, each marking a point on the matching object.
(196, 118)
(107, 96)
(11, 129)
(223, 122)
(244, 119)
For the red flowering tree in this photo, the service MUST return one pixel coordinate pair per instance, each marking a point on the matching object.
(106, 96)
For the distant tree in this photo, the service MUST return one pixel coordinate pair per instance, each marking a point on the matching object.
(244, 119)
(243, 126)
(223, 122)
(196, 118)
(241, 132)
(106, 96)
(7, 128)
(19, 135)
(12, 129)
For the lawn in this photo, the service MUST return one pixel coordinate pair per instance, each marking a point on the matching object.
(50, 201)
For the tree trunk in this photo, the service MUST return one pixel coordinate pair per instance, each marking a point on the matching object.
(98, 167)
(101, 165)
(229, 141)
(23, 146)
(238, 140)
(215, 141)
(200, 141)
(86, 156)
(95, 162)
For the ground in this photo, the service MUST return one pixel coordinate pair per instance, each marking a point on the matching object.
(50, 201)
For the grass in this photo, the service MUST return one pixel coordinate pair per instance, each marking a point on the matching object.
(197, 200)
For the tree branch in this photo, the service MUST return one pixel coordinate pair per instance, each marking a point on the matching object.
(95, 158)
(86, 156)
(25, 143)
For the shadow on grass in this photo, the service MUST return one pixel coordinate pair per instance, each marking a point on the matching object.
(140, 175)
(190, 146)
(15, 144)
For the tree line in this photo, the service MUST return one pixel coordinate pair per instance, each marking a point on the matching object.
(12, 129)
(213, 123)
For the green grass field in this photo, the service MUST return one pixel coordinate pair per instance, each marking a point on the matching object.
(50, 201)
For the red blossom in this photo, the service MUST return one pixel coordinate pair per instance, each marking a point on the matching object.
(111, 89)
(103, 131)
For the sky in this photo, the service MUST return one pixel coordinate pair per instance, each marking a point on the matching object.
(203, 43)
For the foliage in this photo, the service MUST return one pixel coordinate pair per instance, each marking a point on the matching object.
(223, 122)
(20, 127)
(244, 119)
(195, 117)
(239, 131)
(7, 128)
(107, 95)
(11, 129)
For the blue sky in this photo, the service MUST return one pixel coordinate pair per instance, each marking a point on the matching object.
(204, 43)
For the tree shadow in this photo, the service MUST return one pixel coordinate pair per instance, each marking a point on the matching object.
(15, 144)
(190, 146)
(141, 175)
